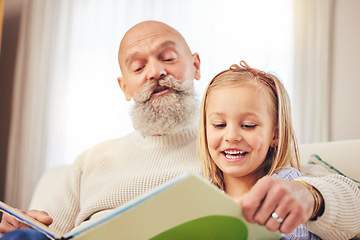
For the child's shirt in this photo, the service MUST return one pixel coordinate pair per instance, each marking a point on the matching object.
(301, 231)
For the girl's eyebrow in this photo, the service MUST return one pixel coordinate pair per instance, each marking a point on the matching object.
(215, 114)
(251, 114)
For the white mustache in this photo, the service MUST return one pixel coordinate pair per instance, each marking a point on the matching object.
(148, 88)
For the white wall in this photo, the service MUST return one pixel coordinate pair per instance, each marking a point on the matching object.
(345, 93)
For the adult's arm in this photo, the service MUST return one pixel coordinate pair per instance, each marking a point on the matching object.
(64, 206)
(341, 216)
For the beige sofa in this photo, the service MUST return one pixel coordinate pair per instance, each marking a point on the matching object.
(343, 156)
(339, 157)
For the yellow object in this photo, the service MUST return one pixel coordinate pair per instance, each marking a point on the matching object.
(316, 196)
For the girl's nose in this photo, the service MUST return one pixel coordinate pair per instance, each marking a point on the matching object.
(232, 134)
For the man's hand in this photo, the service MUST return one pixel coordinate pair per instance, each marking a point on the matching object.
(290, 200)
(9, 223)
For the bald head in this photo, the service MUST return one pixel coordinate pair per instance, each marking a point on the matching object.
(145, 33)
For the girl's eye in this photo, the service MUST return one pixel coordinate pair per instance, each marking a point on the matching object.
(248, 125)
(222, 125)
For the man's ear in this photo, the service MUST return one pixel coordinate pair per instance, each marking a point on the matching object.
(196, 59)
(123, 88)
(275, 140)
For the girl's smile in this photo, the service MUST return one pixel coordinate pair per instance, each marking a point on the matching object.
(234, 155)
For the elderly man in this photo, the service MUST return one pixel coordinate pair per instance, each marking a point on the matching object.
(158, 70)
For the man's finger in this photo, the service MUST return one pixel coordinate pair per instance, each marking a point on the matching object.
(40, 216)
(294, 218)
(275, 195)
(252, 201)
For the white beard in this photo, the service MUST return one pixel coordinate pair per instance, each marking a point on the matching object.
(166, 114)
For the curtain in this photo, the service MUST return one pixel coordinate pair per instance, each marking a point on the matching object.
(66, 97)
(34, 103)
(312, 79)
(1, 19)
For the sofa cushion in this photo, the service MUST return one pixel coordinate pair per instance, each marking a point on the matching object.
(316, 159)
(341, 155)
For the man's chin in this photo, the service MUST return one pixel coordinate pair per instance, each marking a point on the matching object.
(164, 115)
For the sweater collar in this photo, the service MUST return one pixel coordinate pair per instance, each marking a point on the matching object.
(183, 137)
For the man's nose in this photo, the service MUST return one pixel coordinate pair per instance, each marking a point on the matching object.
(156, 70)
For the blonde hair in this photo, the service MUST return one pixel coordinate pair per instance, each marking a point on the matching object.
(277, 158)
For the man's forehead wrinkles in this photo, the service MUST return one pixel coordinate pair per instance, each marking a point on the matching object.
(158, 47)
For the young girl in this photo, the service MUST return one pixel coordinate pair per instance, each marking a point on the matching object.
(246, 133)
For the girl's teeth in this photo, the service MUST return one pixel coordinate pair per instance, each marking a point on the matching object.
(234, 152)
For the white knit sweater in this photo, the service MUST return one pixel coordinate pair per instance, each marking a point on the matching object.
(117, 171)
(341, 218)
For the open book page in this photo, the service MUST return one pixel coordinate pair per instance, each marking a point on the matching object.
(22, 217)
(179, 209)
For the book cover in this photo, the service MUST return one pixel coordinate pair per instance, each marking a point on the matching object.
(187, 207)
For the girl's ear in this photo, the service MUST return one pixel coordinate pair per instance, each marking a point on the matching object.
(275, 140)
